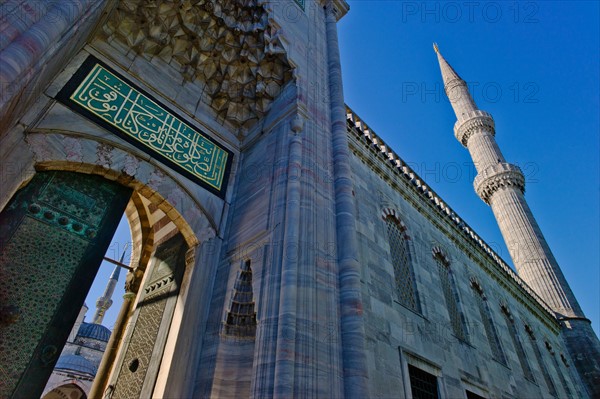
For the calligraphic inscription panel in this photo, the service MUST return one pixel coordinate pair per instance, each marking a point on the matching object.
(112, 101)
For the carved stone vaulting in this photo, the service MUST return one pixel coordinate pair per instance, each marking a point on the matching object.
(229, 47)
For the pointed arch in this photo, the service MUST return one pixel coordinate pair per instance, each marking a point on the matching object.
(516, 339)
(488, 322)
(540, 359)
(400, 253)
(457, 317)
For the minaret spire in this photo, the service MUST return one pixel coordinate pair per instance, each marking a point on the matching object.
(502, 186)
(448, 73)
(105, 301)
(455, 87)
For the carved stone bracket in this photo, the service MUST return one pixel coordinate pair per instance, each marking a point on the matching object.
(474, 121)
(496, 177)
(231, 47)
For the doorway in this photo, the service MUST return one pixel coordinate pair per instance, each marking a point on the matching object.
(82, 354)
(53, 235)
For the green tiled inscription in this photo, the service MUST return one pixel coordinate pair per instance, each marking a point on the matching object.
(133, 113)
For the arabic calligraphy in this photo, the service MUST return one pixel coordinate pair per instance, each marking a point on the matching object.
(133, 113)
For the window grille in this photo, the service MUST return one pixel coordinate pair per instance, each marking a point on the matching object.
(488, 325)
(422, 384)
(561, 375)
(514, 334)
(542, 364)
(403, 273)
(451, 296)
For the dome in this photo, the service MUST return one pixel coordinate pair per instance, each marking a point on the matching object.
(94, 331)
(76, 363)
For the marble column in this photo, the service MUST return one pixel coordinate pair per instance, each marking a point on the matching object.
(352, 322)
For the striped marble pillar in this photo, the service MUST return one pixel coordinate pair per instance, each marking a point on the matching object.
(352, 322)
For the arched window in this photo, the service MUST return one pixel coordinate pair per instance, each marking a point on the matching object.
(241, 318)
(400, 257)
(457, 319)
(514, 334)
(558, 370)
(488, 323)
(541, 362)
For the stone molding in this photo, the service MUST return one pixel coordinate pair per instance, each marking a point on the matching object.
(496, 177)
(474, 121)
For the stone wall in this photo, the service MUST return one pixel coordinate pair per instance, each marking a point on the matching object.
(397, 336)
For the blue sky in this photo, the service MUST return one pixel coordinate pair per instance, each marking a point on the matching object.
(534, 66)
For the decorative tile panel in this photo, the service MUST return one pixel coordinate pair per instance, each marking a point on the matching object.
(53, 235)
(36, 289)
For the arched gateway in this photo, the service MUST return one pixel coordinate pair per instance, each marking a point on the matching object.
(54, 233)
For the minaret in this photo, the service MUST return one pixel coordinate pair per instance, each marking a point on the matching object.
(502, 185)
(105, 301)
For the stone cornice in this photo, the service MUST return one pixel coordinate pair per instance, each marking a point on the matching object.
(496, 177)
(473, 122)
(387, 159)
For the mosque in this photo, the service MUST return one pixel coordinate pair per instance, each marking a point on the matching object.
(78, 362)
(280, 248)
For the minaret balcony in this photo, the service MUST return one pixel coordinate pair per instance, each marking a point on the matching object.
(473, 122)
(495, 177)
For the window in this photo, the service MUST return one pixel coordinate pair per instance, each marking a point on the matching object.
(541, 363)
(514, 334)
(561, 375)
(241, 319)
(403, 273)
(472, 395)
(488, 323)
(422, 384)
(457, 319)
